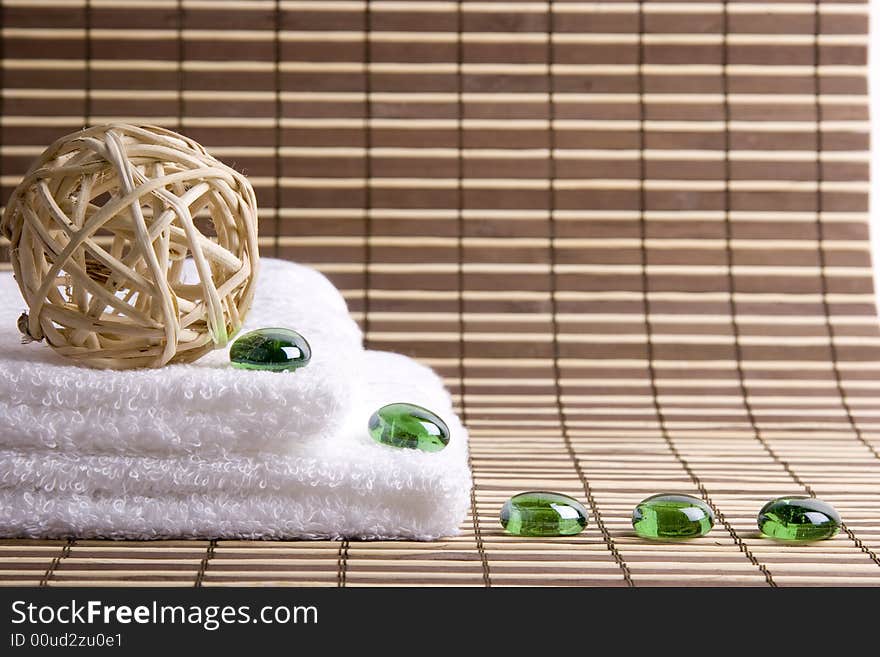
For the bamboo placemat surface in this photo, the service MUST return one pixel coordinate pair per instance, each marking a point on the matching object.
(633, 236)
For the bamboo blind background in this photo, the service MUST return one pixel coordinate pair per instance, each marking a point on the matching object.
(632, 236)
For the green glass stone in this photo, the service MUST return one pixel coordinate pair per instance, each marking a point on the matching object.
(542, 513)
(409, 426)
(798, 518)
(274, 349)
(670, 516)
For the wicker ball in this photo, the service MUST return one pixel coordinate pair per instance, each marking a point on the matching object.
(133, 247)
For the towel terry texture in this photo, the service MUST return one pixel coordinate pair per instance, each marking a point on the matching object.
(209, 451)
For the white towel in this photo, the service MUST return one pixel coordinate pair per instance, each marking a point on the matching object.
(210, 451)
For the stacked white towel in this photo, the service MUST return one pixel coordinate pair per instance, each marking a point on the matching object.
(210, 451)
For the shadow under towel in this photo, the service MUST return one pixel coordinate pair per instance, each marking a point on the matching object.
(209, 451)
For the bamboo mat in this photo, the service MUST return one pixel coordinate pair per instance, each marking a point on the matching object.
(632, 237)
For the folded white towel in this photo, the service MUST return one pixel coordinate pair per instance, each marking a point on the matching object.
(206, 450)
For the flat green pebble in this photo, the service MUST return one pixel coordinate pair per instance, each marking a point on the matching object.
(798, 518)
(274, 349)
(542, 513)
(409, 426)
(670, 516)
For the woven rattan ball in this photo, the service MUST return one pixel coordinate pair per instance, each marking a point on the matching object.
(133, 247)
